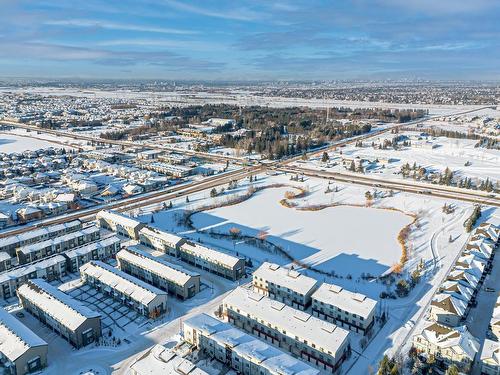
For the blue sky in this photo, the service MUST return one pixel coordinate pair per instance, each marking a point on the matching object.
(251, 40)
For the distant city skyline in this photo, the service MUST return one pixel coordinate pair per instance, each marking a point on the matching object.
(251, 40)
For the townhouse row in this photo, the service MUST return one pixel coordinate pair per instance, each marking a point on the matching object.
(453, 300)
(21, 350)
(242, 352)
(57, 266)
(332, 303)
(490, 355)
(65, 315)
(200, 256)
(322, 344)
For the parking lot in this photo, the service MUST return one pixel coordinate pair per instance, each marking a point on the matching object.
(114, 314)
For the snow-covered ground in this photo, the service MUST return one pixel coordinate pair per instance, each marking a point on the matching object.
(363, 236)
(432, 153)
(19, 140)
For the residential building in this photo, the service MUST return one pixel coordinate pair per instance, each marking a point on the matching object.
(123, 225)
(177, 171)
(159, 273)
(21, 350)
(49, 269)
(165, 242)
(284, 285)
(160, 360)
(213, 261)
(130, 291)
(11, 243)
(448, 345)
(65, 315)
(5, 261)
(41, 250)
(490, 358)
(353, 311)
(101, 250)
(244, 353)
(448, 308)
(494, 325)
(321, 343)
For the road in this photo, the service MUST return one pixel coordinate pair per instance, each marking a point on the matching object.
(439, 191)
(83, 137)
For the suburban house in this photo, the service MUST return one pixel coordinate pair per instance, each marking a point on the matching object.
(448, 345)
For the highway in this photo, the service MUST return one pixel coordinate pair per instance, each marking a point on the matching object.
(440, 191)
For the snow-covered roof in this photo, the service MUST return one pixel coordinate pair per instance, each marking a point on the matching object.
(459, 287)
(464, 275)
(117, 218)
(26, 236)
(170, 238)
(137, 289)
(4, 256)
(249, 347)
(490, 230)
(451, 302)
(21, 271)
(491, 352)
(354, 303)
(210, 255)
(60, 306)
(85, 249)
(295, 323)
(458, 339)
(285, 277)
(155, 265)
(57, 240)
(160, 360)
(15, 337)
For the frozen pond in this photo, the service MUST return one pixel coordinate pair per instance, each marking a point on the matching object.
(346, 239)
(14, 143)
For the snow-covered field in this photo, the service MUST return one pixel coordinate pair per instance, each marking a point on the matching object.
(19, 140)
(432, 153)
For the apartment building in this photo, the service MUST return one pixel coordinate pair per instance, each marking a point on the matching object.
(52, 268)
(11, 243)
(65, 315)
(21, 350)
(40, 250)
(130, 291)
(160, 360)
(316, 341)
(347, 309)
(123, 225)
(448, 345)
(101, 250)
(213, 261)
(244, 353)
(159, 273)
(165, 242)
(284, 285)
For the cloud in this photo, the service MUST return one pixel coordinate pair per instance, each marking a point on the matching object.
(239, 14)
(118, 26)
